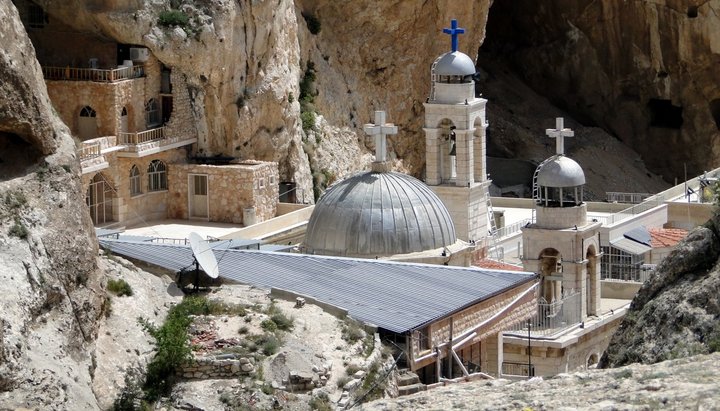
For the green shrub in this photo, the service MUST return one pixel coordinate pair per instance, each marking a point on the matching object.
(282, 321)
(308, 120)
(243, 330)
(352, 333)
(119, 287)
(268, 325)
(171, 18)
(18, 229)
(374, 383)
(269, 343)
(172, 347)
(321, 402)
(351, 369)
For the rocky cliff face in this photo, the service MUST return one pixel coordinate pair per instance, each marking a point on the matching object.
(243, 62)
(675, 313)
(644, 70)
(48, 279)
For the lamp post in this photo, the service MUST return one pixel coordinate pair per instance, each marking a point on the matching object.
(529, 362)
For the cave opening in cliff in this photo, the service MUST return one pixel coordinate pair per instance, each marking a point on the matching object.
(715, 111)
(664, 114)
(692, 11)
(16, 156)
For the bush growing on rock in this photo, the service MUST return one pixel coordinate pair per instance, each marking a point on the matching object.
(172, 18)
(119, 287)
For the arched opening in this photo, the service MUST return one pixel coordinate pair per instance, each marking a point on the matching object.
(87, 123)
(448, 150)
(591, 281)
(99, 199)
(152, 113)
(479, 150)
(157, 176)
(551, 275)
(124, 120)
(592, 360)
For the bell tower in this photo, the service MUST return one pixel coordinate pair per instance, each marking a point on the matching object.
(561, 244)
(455, 141)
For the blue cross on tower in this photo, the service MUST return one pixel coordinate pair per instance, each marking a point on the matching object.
(453, 31)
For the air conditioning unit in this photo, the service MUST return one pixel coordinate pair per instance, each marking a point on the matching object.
(139, 53)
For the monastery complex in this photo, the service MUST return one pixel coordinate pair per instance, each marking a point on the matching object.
(463, 284)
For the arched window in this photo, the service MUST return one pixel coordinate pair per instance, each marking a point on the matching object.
(87, 123)
(152, 113)
(157, 176)
(135, 181)
(124, 120)
(87, 111)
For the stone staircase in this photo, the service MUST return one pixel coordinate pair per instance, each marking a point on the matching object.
(409, 383)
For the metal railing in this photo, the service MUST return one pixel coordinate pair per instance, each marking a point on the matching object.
(92, 74)
(167, 240)
(630, 273)
(511, 229)
(630, 198)
(649, 204)
(518, 369)
(552, 317)
(142, 136)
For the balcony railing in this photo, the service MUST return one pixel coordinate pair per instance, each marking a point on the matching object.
(91, 74)
(88, 151)
(552, 317)
(142, 137)
(518, 369)
(94, 147)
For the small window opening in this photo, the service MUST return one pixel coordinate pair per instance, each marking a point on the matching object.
(664, 114)
(87, 111)
(715, 111)
(692, 11)
(37, 18)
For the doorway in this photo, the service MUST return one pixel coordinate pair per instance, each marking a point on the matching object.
(87, 123)
(99, 199)
(197, 196)
(124, 120)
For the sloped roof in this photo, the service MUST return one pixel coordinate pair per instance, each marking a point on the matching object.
(398, 297)
(666, 237)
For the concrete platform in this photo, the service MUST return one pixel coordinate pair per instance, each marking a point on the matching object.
(182, 228)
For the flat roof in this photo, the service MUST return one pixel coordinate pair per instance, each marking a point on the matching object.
(395, 296)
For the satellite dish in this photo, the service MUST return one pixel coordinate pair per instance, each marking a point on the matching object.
(204, 255)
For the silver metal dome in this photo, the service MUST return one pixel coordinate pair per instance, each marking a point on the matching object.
(455, 64)
(561, 171)
(378, 214)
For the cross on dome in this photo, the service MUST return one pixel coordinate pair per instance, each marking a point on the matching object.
(380, 130)
(453, 31)
(559, 133)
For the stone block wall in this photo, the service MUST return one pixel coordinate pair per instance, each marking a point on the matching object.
(470, 318)
(182, 123)
(231, 189)
(223, 366)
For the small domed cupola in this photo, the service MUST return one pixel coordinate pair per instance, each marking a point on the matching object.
(558, 186)
(452, 73)
(559, 180)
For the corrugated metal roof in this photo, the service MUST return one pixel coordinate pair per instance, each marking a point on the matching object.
(630, 246)
(395, 296)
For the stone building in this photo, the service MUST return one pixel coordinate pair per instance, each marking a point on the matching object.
(134, 125)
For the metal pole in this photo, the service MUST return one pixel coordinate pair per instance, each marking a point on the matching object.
(529, 363)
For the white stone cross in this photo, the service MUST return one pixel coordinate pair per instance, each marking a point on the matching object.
(559, 133)
(380, 129)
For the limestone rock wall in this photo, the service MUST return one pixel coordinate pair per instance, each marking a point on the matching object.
(48, 279)
(675, 311)
(242, 62)
(644, 70)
